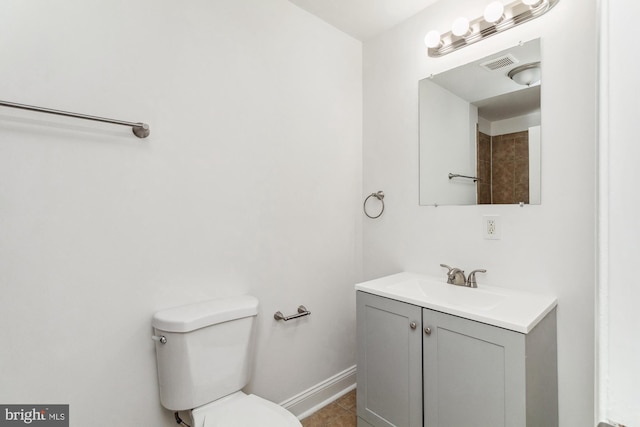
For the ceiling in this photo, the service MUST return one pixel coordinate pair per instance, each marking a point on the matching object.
(363, 19)
(492, 91)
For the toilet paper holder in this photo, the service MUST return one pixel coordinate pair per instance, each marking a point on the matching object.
(302, 311)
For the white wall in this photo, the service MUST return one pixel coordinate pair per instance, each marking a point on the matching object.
(548, 248)
(535, 159)
(249, 183)
(449, 120)
(514, 124)
(619, 374)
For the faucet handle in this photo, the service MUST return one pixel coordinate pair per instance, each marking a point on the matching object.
(471, 280)
(446, 266)
(455, 276)
(449, 275)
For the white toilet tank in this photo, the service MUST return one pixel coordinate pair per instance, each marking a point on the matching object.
(208, 350)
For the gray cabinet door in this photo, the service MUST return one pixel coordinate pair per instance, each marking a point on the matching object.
(389, 371)
(474, 374)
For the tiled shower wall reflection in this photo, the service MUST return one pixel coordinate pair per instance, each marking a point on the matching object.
(503, 168)
(484, 169)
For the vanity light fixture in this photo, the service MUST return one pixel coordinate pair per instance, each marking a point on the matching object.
(498, 17)
(432, 39)
(494, 12)
(460, 27)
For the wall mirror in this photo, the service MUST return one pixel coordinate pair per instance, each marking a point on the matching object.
(480, 131)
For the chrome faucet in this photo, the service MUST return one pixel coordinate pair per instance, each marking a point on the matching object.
(455, 276)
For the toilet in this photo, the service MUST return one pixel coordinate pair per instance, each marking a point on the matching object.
(204, 353)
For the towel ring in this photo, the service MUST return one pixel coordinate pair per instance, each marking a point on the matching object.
(380, 196)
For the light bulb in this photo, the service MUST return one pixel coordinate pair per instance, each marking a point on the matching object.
(532, 3)
(432, 39)
(460, 27)
(494, 12)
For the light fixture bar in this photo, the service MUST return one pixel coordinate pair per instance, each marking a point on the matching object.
(515, 13)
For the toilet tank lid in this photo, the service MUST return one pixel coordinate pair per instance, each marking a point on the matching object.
(206, 313)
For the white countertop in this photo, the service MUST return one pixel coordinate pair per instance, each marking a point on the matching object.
(511, 309)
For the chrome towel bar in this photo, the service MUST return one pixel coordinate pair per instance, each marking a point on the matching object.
(141, 130)
(455, 175)
(302, 311)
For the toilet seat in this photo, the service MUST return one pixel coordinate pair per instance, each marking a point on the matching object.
(241, 410)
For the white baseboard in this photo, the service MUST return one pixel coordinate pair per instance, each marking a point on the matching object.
(309, 401)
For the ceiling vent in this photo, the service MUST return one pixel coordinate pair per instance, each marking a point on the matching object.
(500, 62)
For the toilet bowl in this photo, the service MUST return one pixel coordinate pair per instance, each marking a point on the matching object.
(204, 353)
(241, 410)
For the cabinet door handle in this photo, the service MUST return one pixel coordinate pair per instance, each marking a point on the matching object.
(427, 330)
(413, 325)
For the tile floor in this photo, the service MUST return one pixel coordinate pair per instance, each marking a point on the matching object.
(341, 413)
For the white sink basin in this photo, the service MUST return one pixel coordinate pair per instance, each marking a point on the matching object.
(477, 298)
(506, 308)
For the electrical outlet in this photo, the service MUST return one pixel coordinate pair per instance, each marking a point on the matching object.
(491, 227)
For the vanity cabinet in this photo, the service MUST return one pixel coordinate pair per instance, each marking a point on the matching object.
(389, 373)
(449, 371)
